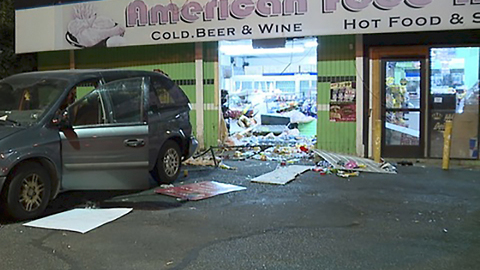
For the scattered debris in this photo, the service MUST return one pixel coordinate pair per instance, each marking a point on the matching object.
(286, 154)
(203, 161)
(345, 174)
(405, 163)
(91, 205)
(199, 191)
(389, 168)
(282, 175)
(226, 167)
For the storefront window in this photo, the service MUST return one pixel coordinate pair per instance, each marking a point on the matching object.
(454, 95)
(286, 86)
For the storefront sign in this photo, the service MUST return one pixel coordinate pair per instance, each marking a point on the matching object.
(68, 24)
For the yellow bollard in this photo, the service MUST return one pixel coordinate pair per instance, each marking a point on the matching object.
(377, 141)
(447, 142)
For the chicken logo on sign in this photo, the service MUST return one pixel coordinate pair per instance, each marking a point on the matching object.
(88, 29)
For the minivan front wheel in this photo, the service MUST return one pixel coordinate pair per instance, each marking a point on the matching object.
(169, 162)
(27, 191)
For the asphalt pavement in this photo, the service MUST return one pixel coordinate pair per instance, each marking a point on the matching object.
(421, 218)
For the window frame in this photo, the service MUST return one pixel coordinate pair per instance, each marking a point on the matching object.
(108, 107)
(106, 120)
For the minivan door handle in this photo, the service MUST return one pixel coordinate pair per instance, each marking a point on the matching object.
(134, 142)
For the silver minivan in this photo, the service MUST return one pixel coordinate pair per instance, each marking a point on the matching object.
(88, 130)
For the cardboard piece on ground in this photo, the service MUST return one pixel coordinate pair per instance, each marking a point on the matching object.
(282, 175)
(79, 220)
(199, 191)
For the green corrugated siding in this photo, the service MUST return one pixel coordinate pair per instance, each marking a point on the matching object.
(336, 59)
(190, 91)
(336, 68)
(208, 70)
(336, 48)
(135, 56)
(323, 93)
(53, 60)
(210, 128)
(335, 136)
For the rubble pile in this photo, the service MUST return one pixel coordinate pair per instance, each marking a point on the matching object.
(287, 137)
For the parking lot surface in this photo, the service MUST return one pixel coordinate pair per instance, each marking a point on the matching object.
(421, 218)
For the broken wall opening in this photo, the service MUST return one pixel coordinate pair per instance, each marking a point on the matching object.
(269, 91)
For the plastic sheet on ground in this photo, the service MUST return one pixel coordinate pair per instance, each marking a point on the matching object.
(352, 163)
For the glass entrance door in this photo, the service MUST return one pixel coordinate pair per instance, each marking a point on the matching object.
(402, 112)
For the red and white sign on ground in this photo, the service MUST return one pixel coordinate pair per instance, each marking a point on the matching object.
(199, 191)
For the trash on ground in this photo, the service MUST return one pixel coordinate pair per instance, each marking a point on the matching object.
(345, 174)
(79, 220)
(405, 163)
(282, 175)
(199, 191)
(388, 167)
(226, 167)
(206, 160)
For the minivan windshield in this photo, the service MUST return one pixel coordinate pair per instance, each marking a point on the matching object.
(24, 100)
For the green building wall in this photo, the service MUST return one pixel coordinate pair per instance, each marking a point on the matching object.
(336, 63)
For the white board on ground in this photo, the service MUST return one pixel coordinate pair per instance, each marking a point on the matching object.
(79, 220)
(282, 175)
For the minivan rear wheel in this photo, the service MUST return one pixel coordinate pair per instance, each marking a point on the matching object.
(169, 162)
(27, 192)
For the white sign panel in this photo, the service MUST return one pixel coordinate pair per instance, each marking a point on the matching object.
(141, 22)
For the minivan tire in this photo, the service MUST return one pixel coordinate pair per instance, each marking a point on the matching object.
(27, 191)
(169, 162)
